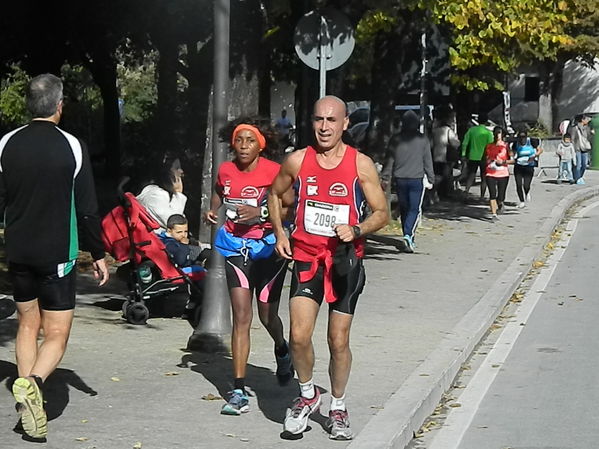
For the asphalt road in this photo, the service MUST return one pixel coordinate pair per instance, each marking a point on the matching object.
(534, 383)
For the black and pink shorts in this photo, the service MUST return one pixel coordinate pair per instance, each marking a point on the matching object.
(264, 276)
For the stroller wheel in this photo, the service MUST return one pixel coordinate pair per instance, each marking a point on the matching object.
(126, 304)
(192, 316)
(137, 313)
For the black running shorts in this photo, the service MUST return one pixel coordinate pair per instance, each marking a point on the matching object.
(264, 276)
(53, 286)
(349, 278)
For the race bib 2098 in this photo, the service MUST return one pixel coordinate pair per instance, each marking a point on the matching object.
(321, 218)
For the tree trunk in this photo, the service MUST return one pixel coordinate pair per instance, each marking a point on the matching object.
(198, 100)
(557, 84)
(382, 100)
(551, 88)
(166, 105)
(103, 69)
(395, 55)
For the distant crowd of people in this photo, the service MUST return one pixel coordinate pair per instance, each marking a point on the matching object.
(442, 163)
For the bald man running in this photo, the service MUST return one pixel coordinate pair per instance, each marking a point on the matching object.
(333, 182)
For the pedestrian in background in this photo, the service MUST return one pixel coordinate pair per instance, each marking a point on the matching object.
(473, 148)
(410, 164)
(497, 158)
(581, 139)
(47, 193)
(525, 152)
(446, 152)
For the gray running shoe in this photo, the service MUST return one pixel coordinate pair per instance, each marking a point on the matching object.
(338, 424)
(296, 418)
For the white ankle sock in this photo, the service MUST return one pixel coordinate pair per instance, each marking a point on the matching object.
(338, 403)
(307, 389)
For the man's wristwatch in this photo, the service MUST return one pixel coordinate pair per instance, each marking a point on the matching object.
(357, 231)
(264, 213)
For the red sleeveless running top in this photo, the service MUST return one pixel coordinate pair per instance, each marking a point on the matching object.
(325, 198)
(239, 187)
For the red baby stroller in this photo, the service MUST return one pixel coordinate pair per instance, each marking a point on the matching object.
(128, 234)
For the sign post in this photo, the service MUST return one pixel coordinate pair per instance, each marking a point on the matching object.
(324, 40)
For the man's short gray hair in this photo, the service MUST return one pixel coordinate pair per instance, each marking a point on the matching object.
(43, 94)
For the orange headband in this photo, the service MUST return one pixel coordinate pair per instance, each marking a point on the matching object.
(246, 127)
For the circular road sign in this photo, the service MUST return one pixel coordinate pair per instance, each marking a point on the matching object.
(328, 28)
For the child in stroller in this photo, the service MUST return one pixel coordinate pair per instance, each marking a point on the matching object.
(129, 235)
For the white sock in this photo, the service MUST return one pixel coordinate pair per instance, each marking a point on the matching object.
(307, 389)
(338, 403)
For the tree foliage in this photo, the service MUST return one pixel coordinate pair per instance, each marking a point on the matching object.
(12, 97)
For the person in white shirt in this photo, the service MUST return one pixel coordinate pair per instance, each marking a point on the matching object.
(164, 196)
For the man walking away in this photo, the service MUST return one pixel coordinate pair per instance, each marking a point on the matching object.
(46, 193)
(473, 148)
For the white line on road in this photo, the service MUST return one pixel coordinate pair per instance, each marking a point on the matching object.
(459, 419)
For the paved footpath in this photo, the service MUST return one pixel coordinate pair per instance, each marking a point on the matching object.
(122, 386)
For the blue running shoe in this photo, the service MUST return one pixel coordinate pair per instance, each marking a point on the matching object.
(239, 403)
(409, 243)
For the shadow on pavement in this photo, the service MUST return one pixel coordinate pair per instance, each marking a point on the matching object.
(271, 398)
(56, 387)
(473, 208)
(8, 331)
(381, 247)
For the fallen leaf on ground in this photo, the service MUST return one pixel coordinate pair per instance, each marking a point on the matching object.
(137, 445)
(455, 405)
(211, 397)
(172, 373)
(82, 439)
(115, 379)
(538, 264)
(84, 420)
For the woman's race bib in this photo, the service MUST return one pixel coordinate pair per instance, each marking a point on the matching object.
(321, 218)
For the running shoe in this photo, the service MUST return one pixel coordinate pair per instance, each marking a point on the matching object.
(521, 205)
(409, 244)
(528, 197)
(284, 367)
(580, 182)
(31, 407)
(338, 424)
(239, 403)
(494, 218)
(296, 418)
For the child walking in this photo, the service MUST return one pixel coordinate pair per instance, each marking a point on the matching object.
(567, 159)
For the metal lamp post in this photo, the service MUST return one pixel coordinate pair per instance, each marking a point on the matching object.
(214, 329)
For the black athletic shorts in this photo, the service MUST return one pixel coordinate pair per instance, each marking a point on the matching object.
(264, 276)
(53, 286)
(349, 278)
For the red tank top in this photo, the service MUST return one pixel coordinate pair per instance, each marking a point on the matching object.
(325, 198)
(251, 188)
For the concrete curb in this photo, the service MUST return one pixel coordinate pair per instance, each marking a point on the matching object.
(408, 407)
